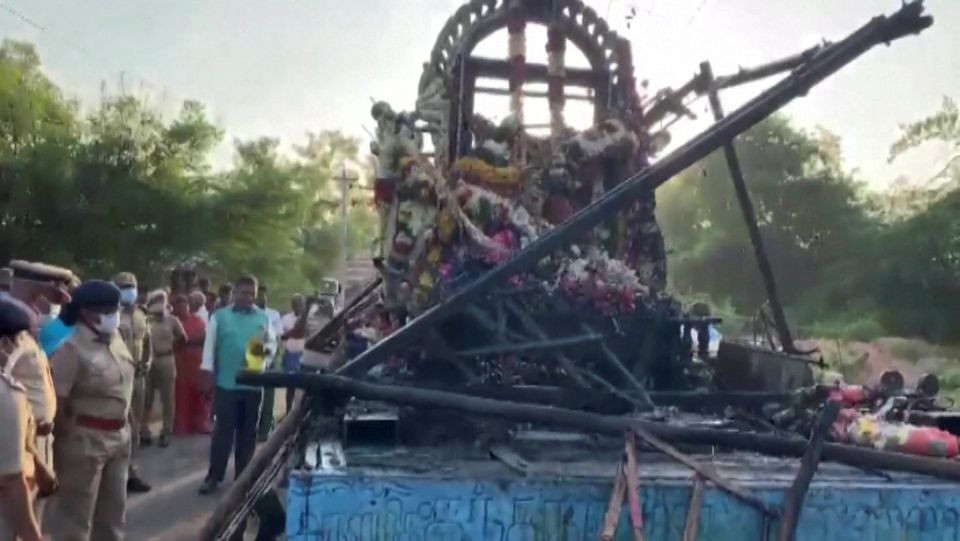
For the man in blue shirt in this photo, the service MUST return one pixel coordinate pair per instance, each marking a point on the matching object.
(238, 335)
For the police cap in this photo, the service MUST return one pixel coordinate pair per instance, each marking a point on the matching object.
(96, 293)
(41, 272)
(15, 317)
(125, 279)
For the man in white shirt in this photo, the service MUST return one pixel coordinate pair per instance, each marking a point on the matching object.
(276, 326)
(293, 341)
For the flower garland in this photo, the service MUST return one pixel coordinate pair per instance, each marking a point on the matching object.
(597, 280)
(477, 171)
(516, 53)
(556, 47)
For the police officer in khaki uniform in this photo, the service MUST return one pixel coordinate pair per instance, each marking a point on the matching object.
(165, 332)
(135, 331)
(39, 286)
(93, 373)
(17, 463)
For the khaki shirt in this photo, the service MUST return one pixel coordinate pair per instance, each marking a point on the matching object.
(32, 371)
(18, 430)
(135, 331)
(164, 331)
(95, 377)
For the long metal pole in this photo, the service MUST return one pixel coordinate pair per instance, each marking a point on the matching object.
(860, 457)
(750, 218)
(881, 29)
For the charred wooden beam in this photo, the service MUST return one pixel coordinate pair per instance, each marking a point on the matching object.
(909, 19)
(590, 422)
(490, 324)
(532, 346)
(535, 73)
(609, 399)
(436, 346)
(717, 400)
(587, 399)
(532, 327)
(708, 472)
(691, 526)
(618, 393)
(793, 503)
(756, 73)
(322, 337)
(750, 218)
(529, 93)
(611, 358)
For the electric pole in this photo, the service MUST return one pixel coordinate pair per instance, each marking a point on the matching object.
(345, 182)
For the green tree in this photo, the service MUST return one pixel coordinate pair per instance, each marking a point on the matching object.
(809, 213)
(123, 188)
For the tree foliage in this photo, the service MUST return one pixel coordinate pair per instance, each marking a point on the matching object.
(840, 262)
(123, 188)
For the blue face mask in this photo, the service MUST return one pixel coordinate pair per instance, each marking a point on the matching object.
(128, 296)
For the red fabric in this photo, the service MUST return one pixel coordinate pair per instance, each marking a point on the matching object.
(849, 395)
(191, 405)
(927, 441)
(384, 190)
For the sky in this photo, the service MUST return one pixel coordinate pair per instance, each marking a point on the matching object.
(282, 68)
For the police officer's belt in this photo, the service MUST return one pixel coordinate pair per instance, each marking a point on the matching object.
(99, 423)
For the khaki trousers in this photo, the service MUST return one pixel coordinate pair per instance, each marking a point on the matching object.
(6, 529)
(92, 501)
(136, 418)
(163, 374)
(44, 448)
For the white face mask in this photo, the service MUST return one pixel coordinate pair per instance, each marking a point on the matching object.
(108, 323)
(128, 296)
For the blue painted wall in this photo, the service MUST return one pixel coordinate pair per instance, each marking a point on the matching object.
(417, 508)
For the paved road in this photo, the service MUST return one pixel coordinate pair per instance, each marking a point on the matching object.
(173, 511)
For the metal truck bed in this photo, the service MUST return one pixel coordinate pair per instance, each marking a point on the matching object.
(465, 494)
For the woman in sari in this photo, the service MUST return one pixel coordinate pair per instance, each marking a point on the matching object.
(192, 412)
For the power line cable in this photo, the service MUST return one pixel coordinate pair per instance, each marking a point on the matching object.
(164, 90)
(22, 17)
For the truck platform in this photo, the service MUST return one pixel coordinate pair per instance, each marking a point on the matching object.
(556, 490)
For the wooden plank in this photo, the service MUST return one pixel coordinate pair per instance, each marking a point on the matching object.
(535, 73)
(793, 502)
(530, 326)
(691, 526)
(635, 510)
(706, 471)
(532, 346)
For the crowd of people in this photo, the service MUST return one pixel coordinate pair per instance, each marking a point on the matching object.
(82, 368)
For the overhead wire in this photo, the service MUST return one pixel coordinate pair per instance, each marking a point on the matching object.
(150, 86)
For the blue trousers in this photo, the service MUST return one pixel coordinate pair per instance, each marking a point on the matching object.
(237, 413)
